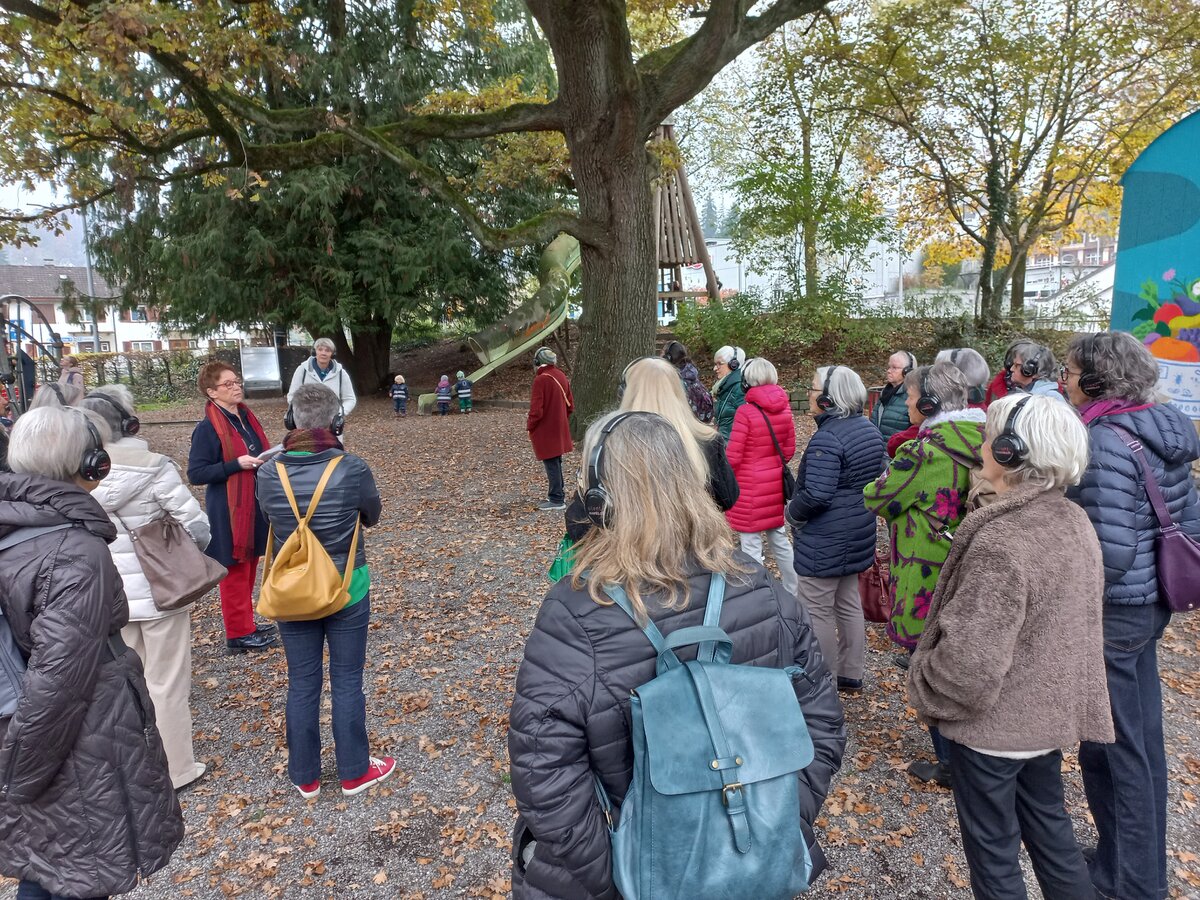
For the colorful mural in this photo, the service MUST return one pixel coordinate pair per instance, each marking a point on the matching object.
(1156, 294)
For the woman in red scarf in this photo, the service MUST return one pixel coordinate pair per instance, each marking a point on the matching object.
(224, 456)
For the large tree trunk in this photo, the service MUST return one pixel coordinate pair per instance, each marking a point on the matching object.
(606, 135)
(618, 290)
(368, 362)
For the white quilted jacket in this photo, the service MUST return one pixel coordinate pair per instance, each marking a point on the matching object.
(141, 487)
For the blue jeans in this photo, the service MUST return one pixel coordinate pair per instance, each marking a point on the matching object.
(31, 890)
(304, 645)
(1126, 782)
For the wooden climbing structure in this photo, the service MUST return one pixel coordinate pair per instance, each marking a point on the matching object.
(680, 238)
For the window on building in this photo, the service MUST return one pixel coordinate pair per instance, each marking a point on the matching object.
(139, 315)
(227, 342)
(193, 344)
(84, 347)
(105, 347)
(141, 346)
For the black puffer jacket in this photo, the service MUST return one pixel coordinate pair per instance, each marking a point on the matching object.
(86, 803)
(570, 718)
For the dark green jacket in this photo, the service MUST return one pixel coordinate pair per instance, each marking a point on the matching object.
(891, 415)
(728, 395)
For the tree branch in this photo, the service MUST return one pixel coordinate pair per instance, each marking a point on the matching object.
(537, 230)
(31, 10)
(674, 75)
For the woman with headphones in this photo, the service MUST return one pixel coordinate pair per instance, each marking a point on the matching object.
(1010, 665)
(890, 413)
(87, 808)
(1111, 379)
(729, 391)
(833, 533)
(662, 542)
(923, 497)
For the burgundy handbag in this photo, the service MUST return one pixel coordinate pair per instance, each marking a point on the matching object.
(1176, 554)
(875, 589)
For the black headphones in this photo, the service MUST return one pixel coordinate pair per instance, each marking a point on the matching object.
(1029, 367)
(54, 386)
(130, 425)
(95, 463)
(1009, 449)
(928, 404)
(824, 401)
(337, 426)
(539, 357)
(954, 356)
(595, 498)
(1090, 383)
(912, 363)
(735, 364)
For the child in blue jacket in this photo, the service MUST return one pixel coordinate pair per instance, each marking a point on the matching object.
(399, 393)
(462, 387)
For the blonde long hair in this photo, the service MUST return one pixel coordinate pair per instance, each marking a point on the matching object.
(652, 385)
(662, 524)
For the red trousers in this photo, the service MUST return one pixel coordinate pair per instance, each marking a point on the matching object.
(237, 598)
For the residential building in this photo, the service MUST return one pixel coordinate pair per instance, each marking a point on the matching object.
(44, 287)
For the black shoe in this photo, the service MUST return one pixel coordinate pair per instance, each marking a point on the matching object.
(902, 660)
(255, 640)
(849, 685)
(266, 628)
(930, 772)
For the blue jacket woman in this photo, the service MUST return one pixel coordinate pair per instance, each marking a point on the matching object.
(1111, 379)
(835, 533)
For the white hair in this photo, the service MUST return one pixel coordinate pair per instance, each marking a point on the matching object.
(57, 394)
(51, 441)
(1056, 438)
(970, 362)
(759, 371)
(727, 353)
(116, 393)
(846, 390)
(324, 342)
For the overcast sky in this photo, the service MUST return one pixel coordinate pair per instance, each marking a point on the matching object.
(64, 250)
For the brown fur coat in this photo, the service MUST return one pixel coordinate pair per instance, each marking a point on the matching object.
(1012, 655)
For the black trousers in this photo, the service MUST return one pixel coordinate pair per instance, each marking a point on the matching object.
(554, 476)
(1004, 802)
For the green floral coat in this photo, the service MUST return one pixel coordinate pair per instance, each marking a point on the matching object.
(923, 497)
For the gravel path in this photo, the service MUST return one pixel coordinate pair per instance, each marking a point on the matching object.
(458, 570)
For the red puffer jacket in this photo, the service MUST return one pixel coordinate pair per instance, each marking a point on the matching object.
(755, 461)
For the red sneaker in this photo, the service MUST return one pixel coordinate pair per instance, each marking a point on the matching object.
(308, 791)
(377, 771)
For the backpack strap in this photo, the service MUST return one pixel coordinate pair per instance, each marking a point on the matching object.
(21, 535)
(733, 794)
(712, 614)
(302, 521)
(617, 594)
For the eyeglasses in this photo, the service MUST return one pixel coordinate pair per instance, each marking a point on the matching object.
(230, 383)
(1063, 372)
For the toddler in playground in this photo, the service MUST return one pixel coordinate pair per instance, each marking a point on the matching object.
(444, 393)
(462, 387)
(399, 393)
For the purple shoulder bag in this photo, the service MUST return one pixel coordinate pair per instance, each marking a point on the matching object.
(1176, 554)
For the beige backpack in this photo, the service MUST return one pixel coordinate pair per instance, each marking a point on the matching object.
(302, 583)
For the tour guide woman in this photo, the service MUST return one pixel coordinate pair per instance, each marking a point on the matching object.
(570, 715)
(225, 448)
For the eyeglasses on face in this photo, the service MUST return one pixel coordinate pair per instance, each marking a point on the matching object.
(1063, 372)
(229, 382)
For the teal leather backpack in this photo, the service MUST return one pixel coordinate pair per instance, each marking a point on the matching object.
(713, 810)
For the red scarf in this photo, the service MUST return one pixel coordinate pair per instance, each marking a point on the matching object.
(239, 487)
(1110, 406)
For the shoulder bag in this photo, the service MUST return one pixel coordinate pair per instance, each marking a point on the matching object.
(1176, 554)
(179, 573)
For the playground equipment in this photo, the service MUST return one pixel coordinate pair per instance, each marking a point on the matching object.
(13, 377)
(531, 323)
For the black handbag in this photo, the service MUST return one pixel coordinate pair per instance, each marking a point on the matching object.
(789, 480)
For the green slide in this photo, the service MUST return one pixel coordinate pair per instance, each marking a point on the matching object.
(531, 323)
